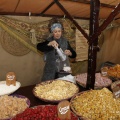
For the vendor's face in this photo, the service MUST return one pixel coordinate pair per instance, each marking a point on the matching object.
(57, 32)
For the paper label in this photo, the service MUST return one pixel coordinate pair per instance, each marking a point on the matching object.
(10, 78)
(64, 110)
(116, 92)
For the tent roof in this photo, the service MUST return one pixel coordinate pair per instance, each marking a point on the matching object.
(76, 8)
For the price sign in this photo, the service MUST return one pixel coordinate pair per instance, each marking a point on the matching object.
(116, 92)
(64, 110)
(10, 78)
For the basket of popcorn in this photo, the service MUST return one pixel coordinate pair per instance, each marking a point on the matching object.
(55, 90)
(96, 105)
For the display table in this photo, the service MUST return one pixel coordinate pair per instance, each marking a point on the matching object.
(27, 91)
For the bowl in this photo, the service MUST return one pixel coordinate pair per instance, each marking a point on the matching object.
(72, 108)
(100, 81)
(55, 90)
(7, 90)
(42, 112)
(95, 104)
(13, 107)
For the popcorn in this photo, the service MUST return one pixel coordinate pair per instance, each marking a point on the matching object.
(96, 105)
(56, 90)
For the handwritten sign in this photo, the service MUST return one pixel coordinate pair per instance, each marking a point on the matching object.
(64, 110)
(10, 78)
(116, 92)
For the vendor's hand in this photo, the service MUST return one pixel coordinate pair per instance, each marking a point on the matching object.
(53, 44)
(68, 52)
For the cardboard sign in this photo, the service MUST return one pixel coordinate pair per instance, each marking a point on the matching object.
(10, 78)
(64, 110)
(116, 92)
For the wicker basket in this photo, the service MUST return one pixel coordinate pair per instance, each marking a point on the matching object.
(52, 101)
(72, 108)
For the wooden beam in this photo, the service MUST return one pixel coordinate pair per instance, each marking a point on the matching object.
(71, 18)
(61, 16)
(92, 51)
(110, 18)
(117, 18)
(42, 15)
(88, 2)
(51, 4)
(17, 5)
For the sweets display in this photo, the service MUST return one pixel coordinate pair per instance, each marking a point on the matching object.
(55, 90)
(41, 112)
(114, 71)
(96, 105)
(6, 90)
(88, 105)
(100, 81)
(12, 105)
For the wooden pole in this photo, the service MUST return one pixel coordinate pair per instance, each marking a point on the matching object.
(92, 50)
(110, 18)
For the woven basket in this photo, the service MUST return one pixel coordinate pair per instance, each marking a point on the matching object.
(48, 100)
(72, 108)
(12, 45)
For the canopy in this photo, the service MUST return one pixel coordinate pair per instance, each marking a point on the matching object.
(76, 8)
(94, 10)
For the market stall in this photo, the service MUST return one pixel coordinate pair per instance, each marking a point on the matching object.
(91, 96)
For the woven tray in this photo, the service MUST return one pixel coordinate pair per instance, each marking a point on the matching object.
(48, 100)
(15, 47)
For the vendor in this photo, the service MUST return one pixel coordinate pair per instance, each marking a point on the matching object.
(53, 62)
